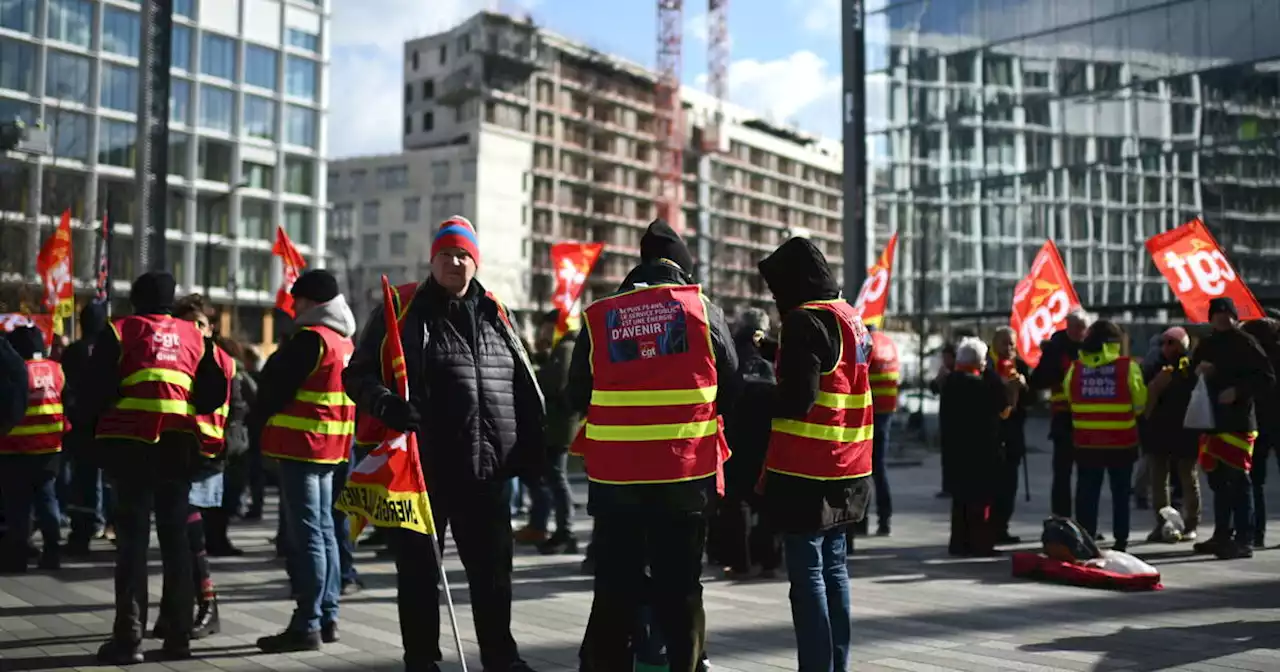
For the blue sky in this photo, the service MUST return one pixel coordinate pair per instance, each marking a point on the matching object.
(785, 55)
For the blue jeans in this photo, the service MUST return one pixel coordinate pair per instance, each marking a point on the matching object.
(821, 608)
(206, 493)
(307, 490)
(342, 526)
(1232, 504)
(1089, 498)
(27, 485)
(553, 492)
(87, 504)
(514, 490)
(880, 446)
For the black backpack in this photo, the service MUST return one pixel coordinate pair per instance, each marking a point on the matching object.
(1065, 540)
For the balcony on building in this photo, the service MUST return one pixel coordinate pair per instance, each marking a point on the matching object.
(460, 86)
(513, 45)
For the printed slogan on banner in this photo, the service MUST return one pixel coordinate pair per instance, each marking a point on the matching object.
(646, 331)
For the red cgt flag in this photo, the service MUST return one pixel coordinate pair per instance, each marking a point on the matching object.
(572, 263)
(1197, 271)
(54, 267)
(1041, 302)
(873, 298)
(387, 488)
(292, 263)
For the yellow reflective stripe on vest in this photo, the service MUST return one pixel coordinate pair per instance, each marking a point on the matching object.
(884, 391)
(674, 432)
(158, 376)
(1104, 424)
(838, 401)
(324, 398)
(168, 406)
(209, 429)
(1102, 408)
(34, 430)
(329, 427)
(1238, 442)
(809, 430)
(703, 395)
(46, 409)
(1058, 396)
(882, 377)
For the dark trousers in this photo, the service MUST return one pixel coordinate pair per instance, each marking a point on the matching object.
(1262, 452)
(342, 526)
(235, 482)
(879, 447)
(744, 543)
(201, 575)
(1232, 504)
(671, 545)
(1063, 464)
(257, 479)
(135, 500)
(971, 530)
(481, 524)
(552, 492)
(1006, 495)
(1089, 498)
(89, 503)
(27, 487)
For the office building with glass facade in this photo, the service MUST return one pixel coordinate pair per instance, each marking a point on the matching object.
(995, 124)
(247, 141)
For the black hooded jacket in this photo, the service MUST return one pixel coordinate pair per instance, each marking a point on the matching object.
(798, 273)
(1241, 364)
(75, 365)
(690, 496)
(13, 387)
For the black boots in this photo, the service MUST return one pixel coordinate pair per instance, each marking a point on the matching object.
(206, 622)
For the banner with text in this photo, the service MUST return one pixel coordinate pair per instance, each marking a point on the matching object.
(1041, 302)
(1191, 260)
(873, 298)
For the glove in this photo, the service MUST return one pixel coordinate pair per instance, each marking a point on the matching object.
(397, 413)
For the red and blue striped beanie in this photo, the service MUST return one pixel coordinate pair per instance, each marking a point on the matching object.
(457, 232)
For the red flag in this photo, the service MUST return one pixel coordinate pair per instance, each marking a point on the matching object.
(54, 267)
(386, 488)
(292, 264)
(1191, 260)
(1041, 302)
(572, 264)
(873, 298)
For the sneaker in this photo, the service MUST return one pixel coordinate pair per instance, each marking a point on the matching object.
(329, 633)
(351, 587)
(1233, 551)
(1208, 546)
(1189, 535)
(290, 641)
(116, 652)
(1120, 546)
(882, 530)
(559, 544)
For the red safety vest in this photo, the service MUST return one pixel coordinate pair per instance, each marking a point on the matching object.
(884, 373)
(159, 355)
(41, 429)
(653, 416)
(1234, 449)
(1101, 402)
(317, 425)
(833, 441)
(213, 427)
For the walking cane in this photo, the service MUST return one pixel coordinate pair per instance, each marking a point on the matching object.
(437, 547)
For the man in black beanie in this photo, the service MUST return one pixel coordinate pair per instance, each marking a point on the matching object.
(664, 358)
(152, 373)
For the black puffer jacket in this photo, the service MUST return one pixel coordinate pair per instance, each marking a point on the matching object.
(1240, 363)
(13, 387)
(798, 273)
(470, 380)
(690, 496)
(747, 427)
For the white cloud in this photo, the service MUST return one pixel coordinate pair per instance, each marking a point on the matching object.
(802, 88)
(695, 27)
(367, 72)
(819, 16)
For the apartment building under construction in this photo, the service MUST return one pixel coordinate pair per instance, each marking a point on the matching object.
(540, 139)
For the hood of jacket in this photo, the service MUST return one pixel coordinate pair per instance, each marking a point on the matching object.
(656, 272)
(1110, 352)
(796, 273)
(335, 314)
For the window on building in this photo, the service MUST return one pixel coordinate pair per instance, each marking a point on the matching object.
(429, 89)
(428, 121)
(259, 117)
(17, 66)
(121, 31)
(300, 126)
(184, 8)
(217, 107)
(69, 133)
(67, 77)
(300, 175)
(257, 175)
(399, 244)
(260, 65)
(357, 179)
(179, 154)
(304, 40)
(301, 75)
(393, 177)
(297, 223)
(369, 213)
(440, 173)
(256, 218)
(408, 94)
(369, 244)
(469, 170)
(444, 54)
(408, 124)
(19, 15)
(71, 21)
(255, 275)
(218, 56)
(179, 101)
(119, 87)
(116, 141)
(414, 59)
(412, 209)
(181, 50)
(214, 160)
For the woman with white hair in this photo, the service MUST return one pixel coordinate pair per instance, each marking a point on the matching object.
(969, 418)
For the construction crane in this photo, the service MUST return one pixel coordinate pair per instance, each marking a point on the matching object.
(717, 68)
(670, 113)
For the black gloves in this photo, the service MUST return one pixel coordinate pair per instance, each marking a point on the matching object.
(397, 413)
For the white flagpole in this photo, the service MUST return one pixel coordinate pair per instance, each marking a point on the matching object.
(436, 548)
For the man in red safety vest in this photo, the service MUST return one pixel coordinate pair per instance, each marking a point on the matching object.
(28, 457)
(152, 375)
(653, 370)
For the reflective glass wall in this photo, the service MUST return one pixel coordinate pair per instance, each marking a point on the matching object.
(995, 124)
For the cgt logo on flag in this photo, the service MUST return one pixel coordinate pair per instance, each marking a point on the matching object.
(1041, 302)
(1197, 271)
(1205, 267)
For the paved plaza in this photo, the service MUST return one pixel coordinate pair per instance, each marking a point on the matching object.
(915, 609)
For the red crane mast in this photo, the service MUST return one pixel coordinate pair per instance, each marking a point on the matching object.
(670, 113)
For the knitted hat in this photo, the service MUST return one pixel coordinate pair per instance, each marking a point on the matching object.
(153, 292)
(316, 285)
(456, 232)
(1223, 304)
